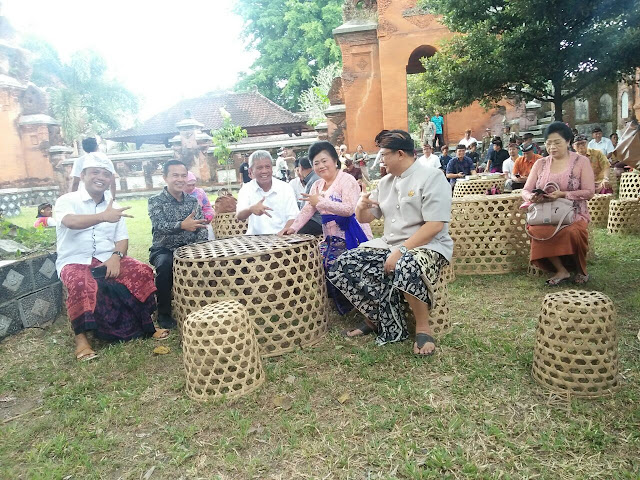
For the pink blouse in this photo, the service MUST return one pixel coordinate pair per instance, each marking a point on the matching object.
(339, 199)
(577, 181)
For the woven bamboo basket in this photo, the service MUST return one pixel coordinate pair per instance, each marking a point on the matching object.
(220, 352)
(226, 225)
(463, 188)
(377, 227)
(534, 271)
(599, 209)
(448, 274)
(280, 281)
(489, 235)
(624, 216)
(576, 348)
(439, 317)
(629, 186)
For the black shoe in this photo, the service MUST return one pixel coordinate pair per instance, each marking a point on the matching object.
(166, 321)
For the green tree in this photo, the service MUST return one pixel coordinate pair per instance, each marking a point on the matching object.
(82, 96)
(294, 40)
(224, 136)
(315, 100)
(544, 50)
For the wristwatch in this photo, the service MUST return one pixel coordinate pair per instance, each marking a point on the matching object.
(403, 249)
(120, 254)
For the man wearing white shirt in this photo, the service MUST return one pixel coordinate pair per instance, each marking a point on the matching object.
(428, 159)
(268, 203)
(468, 139)
(108, 293)
(598, 142)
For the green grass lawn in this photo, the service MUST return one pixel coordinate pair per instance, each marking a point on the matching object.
(470, 411)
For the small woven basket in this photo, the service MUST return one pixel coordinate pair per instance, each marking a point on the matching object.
(576, 348)
(629, 186)
(477, 187)
(220, 352)
(624, 216)
(226, 225)
(599, 209)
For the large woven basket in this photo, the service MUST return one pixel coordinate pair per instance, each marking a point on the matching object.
(463, 188)
(629, 185)
(624, 216)
(280, 281)
(220, 352)
(599, 209)
(576, 348)
(489, 234)
(226, 225)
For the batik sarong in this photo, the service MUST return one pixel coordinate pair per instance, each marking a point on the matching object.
(359, 275)
(117, 309)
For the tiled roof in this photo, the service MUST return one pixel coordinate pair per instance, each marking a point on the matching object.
(249, 109)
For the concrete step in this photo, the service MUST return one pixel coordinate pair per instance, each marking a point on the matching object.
(546, 120)
(539, 140)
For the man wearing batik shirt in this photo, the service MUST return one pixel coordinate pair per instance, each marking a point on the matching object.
(176, 220)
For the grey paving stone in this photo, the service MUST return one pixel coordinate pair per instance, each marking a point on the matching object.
(44, 270)
(41, 306)
(10, 321)
(15, 280)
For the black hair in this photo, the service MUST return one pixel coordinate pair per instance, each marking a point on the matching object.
(305, 163)
(165, 167)
(318, 147)
(396, 140)
(41, 207)
(90, 145)
(497, 142)
(561, 129)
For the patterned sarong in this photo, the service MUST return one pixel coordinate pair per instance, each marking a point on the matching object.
(359, 275)
(115, 309)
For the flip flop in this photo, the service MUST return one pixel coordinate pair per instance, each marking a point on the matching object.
(421, 340)
(364, 327)
(556, 282)
(85, 355)
(161, 334)
(580, 279)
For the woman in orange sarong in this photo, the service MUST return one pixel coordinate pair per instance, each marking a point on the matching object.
(566, 252)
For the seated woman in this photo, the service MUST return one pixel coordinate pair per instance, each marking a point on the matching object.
(108, 293)
(565, 251)
(203, 200)
(334, 195)
(406, 262)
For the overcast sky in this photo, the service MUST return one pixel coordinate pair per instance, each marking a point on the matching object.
(161, 53)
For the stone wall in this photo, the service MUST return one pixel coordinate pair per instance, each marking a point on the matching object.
(30, 293)
(12, 199)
